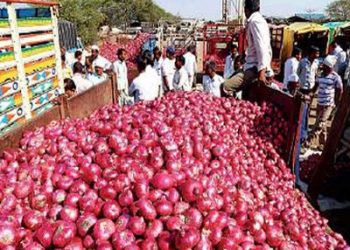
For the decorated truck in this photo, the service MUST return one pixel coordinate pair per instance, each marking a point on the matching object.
(30, 63)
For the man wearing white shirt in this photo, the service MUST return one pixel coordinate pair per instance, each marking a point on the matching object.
(81, 83)
(157, 65)
(229, 62)
(95, 56)
(168, 70)
(152, 73)
(142, 86)
(341, 56)
(121, 71)
(181, 79)
(291, 66)
(212, 82)
(98, 76)
(259, 51)
(191, 63)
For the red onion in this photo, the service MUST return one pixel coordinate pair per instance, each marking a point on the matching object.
(64, 233)
(187, 239)
(104, 229)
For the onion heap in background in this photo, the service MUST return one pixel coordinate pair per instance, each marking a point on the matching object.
(188, 171)
(133, 49)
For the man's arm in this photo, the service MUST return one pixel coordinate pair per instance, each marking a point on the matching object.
(226, 73)
(262, 46)
(339, 91)
(165, 77)
(314, 89)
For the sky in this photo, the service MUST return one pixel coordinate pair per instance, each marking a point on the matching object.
(211, 9)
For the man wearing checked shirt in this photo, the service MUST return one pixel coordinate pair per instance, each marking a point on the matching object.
(307, 73)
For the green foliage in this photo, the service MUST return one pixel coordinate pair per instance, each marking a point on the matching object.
(89, 15)
(339, 10)
(85, 15)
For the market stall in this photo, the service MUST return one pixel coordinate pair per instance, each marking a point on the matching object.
(303, 35)
(340, 32)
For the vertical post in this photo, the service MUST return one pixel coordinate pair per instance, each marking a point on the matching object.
(56, 40)
(19, 60)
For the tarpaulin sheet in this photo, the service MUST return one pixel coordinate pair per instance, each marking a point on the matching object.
(335, 28)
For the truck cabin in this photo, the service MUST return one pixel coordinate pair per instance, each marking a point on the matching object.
(277, 33)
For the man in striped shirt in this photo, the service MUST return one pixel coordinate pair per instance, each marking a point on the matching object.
(330, 90)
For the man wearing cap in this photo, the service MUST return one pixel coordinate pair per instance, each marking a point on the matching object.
(121, 71)
(259, 51)
(270, 80)
(98, 76)
(168, 70)
(307, 71)
(330, 90)
(95, 56)
(191, 63)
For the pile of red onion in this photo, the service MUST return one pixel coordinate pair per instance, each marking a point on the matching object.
(188, 171)
(308, 167)
(133, 48)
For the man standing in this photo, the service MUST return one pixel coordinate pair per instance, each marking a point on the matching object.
(291, 66)
(121, 71)
(157, 65)
(191, 64)
(152, 73)
(181, 79)
(141, 87)
(307, 72)
(341, 56)
(229, 62)
(212, 82)
(258, 53)
(330, 90)
(168, 69)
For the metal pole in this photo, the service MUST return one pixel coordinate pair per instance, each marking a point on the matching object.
(57, 49)
(19, 60)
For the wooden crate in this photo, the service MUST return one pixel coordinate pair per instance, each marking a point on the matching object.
(291, 108)
(337, 148)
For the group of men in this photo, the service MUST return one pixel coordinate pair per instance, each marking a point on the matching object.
(158, 75)
(306, 76)
(302, 76)
(83, 72)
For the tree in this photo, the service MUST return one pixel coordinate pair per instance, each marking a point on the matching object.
(89, 15)
(85, 15)
(121, 12)
(339, 10)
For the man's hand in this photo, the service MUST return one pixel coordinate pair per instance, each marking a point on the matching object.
(262, 76)
(306, 98)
